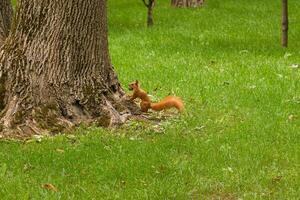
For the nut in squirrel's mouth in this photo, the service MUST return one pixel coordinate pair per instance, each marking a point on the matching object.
(130, 88)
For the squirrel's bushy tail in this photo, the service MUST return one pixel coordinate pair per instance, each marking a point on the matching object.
(168, 102)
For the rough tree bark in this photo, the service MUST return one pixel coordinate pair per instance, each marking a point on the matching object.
(285, 23)
(55, 69)
(6, 12)
(150, 6)
(187, 3)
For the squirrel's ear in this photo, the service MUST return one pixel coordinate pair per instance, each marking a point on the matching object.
(136, 82)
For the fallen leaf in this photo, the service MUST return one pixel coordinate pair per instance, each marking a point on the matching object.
(132, 138)
(49, 186)
(291, 117)
(244, 51)
(199, 128)
(38, 138)
(294, 66)
(60, 150)
(276, 179)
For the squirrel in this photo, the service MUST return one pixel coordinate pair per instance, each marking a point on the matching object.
(146, 104)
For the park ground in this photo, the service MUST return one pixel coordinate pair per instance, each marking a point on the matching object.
(238, 139)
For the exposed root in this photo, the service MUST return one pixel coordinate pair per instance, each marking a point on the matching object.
(19, 123)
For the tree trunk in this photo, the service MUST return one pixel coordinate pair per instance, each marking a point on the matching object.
(150, 13)
(150, 6)
(5, 19)
(55, 69)
(187, 3)
(285, 23)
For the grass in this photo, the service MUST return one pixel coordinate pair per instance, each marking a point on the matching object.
(239, 138)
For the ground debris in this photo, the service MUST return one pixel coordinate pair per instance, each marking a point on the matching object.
(49, 186)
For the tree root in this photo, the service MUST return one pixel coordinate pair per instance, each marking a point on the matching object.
(18, 123)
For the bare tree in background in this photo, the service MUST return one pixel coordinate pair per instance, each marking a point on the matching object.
(6, 12)
(55, 69)
(187, 3)
(285, 23)
(150, 6)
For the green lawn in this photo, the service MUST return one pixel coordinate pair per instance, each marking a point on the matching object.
(239, 137)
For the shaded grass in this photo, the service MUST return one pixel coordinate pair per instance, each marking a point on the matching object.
(239, 137)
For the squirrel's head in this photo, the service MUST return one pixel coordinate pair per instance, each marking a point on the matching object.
(134, 85)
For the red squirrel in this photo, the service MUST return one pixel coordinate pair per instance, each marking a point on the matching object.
(146, 104)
